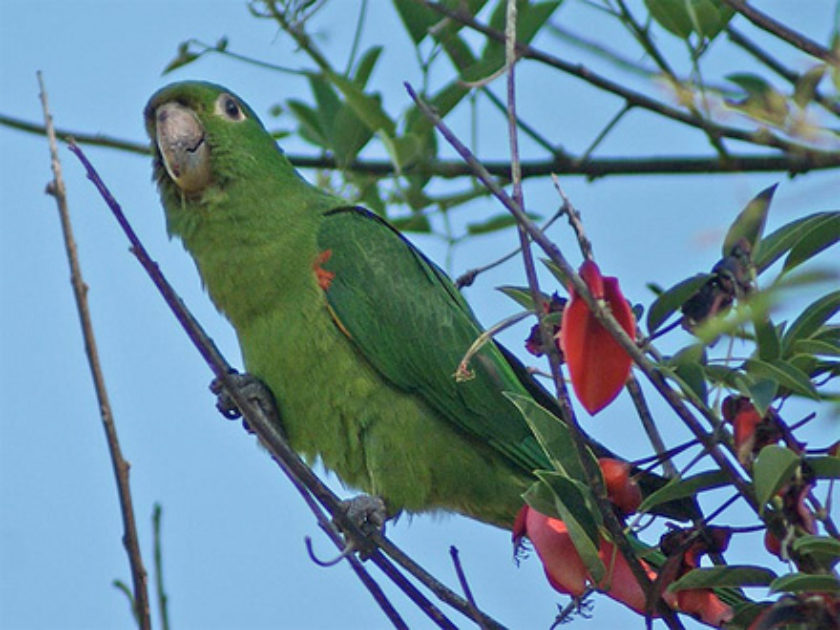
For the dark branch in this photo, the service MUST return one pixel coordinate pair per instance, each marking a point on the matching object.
(767, 23)
(561, 164)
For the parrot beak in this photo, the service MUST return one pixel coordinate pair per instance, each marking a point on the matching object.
(180, 140)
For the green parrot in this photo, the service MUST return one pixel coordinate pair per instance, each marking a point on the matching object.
(356, 333)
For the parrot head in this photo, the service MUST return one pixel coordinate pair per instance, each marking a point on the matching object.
(203, 136)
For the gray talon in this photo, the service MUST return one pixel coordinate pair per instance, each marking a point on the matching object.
(367, 512)
(251, 388)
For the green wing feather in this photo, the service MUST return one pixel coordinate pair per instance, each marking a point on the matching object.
(411, 323)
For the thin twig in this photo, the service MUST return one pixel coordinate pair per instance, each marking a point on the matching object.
(774, 27)
(649, 425)
(562, 162)
(762, 137)
(462, 580)
(739, 39)
(162, 599)
(273, 439)
(119, 464)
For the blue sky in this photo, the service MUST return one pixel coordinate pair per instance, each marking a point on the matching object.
(233, 527)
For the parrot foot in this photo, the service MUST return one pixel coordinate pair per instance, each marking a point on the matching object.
(251, 388)
(369, 514)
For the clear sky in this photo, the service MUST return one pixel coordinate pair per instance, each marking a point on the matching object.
(233, 527)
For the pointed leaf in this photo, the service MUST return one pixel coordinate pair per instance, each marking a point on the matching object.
(772, 469)
(810, 320)
(767, 340)
(570, 501)
(782, 240)
(731, 575)
(817, 545)
(805, 583)
(762, 393)
(816, 347)
(669, 301)
(679, 488)
(784, 373)
(806, 85)
(749, 224)
(365, 65)
(818, 238)
(825, 467)
(522, 296)
(367, 107)
(552, 435)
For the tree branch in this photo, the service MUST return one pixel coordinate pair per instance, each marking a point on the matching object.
(760, 137)
(774, 27)
(562, 163)
(120, 466)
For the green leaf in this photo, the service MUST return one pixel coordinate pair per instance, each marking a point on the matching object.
(785, 374)
(786, 237)
(825, 547)
(553, 436)
(689, 371)
(749, 224)
(679, 488)
(816, 347)
(767, 340)
(825, 466)
(310, 123)
(773, 468)
(810, 320)
(521, 295)
(365, 65)
(416, 18)
(818, 238)
(684, 17)
(806, 85)
(762, 102)
(722, 576)
(762, 393)
(669, 301)
(182, 58)
(805, 583)
(570, 499)
(367, 107)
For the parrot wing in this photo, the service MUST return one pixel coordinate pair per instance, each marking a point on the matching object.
(410, 322)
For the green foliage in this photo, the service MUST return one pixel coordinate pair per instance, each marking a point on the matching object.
(731, 575)
(706, 18)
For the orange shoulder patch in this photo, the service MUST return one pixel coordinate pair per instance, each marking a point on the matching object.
(323, 276)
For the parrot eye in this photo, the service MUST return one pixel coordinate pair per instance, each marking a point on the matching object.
(227, 105)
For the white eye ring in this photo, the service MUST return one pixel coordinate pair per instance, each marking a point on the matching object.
(227, 106)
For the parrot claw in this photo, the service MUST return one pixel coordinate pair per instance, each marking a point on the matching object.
(252, 388)
(369, 514)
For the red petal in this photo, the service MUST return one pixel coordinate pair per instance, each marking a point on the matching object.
(703, 604)
(562, 563)
(598, 366)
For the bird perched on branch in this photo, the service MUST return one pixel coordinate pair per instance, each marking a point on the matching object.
(356, 332)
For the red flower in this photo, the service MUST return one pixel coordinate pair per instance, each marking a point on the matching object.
(598, 366)
(564, 567)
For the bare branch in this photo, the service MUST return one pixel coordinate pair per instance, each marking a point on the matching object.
(120, 466)
(798, 40)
